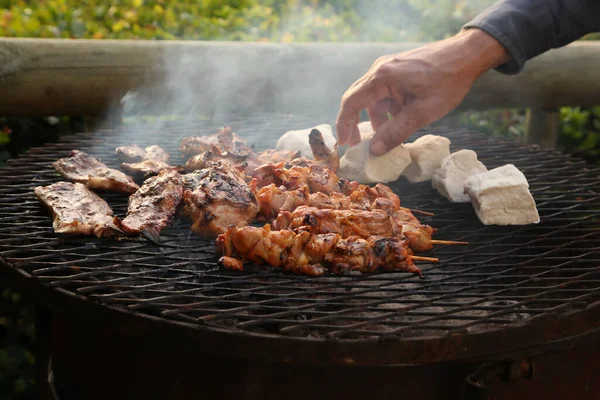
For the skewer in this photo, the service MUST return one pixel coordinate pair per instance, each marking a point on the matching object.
(426, 213)
(428, 259)
(447, 242)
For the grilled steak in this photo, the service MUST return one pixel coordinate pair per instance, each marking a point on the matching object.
(153, 206)
(217, 197)
(82, 168)
(78, 210)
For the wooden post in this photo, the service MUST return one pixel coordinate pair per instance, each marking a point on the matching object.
(542, 127)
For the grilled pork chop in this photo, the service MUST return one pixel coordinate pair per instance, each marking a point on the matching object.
(82, 168)
(77, 210)
(217, 197)
(153, 206)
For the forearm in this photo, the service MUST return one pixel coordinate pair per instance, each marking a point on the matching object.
(527, 28)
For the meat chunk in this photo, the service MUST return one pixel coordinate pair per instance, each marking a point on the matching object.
(501, 197)
(217, 154)
(449, 179)
(225, 138)
(323, 155)
(297, 140)
(427, 153)
(82, 168)
(153, 206)
(134, 153)
(296, 174)
(217, 197)
(146, 168)
(306, 254)
(76, 210)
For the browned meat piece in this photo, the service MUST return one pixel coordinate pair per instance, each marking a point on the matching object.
(272, 199)
(276, 156)
(153, 206)
(344, 222)
(146, 168)
(77, 210)
(217, 197)
(131, 154)
(83, 168)
(225, 138)
(306, 254)
(316, 177)
(321, 152)
(157, 153)
(365, 195)
(216, 154)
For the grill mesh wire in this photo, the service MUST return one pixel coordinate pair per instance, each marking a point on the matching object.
(505, 276)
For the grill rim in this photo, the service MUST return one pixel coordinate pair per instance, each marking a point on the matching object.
(562, 330)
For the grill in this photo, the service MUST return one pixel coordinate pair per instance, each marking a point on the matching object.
(509, 290)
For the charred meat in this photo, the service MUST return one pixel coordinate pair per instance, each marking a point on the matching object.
(225, 138)
(294, 176)
(306, 254)
(153, 206)
(146, 168)
(76, 210)
(82, 168)
(134, 153)
(217, 197)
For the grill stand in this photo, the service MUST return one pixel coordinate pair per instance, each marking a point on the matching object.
(90, 361)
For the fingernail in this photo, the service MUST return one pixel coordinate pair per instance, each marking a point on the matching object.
(378, 148)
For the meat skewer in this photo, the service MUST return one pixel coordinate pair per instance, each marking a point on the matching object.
(83, 168)
(76, 210)
(297, 173)
(153, 206)
(217, 197)
(306, 254)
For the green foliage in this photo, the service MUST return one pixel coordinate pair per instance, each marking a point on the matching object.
(580, 132)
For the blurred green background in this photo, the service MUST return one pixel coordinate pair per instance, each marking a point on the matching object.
(241, 20)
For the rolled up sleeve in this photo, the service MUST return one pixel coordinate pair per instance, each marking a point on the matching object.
(528, 28)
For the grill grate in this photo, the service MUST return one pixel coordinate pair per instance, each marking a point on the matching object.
(506, 276)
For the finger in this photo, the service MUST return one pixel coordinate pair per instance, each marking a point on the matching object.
(395, 131)
(355, 100)
(355, 137)
(378, 113)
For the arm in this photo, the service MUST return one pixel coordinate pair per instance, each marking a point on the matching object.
(528, 28)
(422, 85)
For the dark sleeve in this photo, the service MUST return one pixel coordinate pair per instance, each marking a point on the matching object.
(527, 28)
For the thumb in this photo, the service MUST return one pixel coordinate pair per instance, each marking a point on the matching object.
(395, 131)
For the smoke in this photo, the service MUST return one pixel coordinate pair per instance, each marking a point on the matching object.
(218, 81)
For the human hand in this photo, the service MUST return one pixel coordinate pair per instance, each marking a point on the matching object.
(416, 87)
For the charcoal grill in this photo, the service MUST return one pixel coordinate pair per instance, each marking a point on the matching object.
(511, 294)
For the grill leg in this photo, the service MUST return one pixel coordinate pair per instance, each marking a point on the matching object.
(43, 338)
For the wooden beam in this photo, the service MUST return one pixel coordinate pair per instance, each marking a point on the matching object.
(543, 127)
(90, 77)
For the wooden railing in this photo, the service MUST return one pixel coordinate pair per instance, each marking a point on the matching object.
(90, 77)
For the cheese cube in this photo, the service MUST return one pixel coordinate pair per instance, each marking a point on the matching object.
(427, 154)
(501, 197)
(449, 179)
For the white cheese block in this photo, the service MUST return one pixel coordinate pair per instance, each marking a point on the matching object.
(358, 164)
(427, 153)
(366, 130)
(501, 197)
(449, 179)
(298, 140)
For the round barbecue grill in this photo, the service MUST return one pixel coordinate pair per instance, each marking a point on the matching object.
(510, 294)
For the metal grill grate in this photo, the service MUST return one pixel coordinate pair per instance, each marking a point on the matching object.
(505, 277)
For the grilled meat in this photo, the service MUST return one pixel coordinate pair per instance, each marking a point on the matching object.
(321, 152)
(216, 154)
(217, 197)
(76, 210)
(276, 156)
(134, 153)
(306, 254)
(316, 177)
(146, 168)
(131, 154)
(153, 206)
(225, 138)
(83, 168)
(344, 222)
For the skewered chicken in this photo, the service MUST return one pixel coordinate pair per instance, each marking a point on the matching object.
(322, 154)
(77, 210)
(225, 138)
(153, 206)
(83, 168)
(217, 197)
(306, 254)
(296, 174)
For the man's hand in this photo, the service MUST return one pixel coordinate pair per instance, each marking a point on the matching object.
(416, 87)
